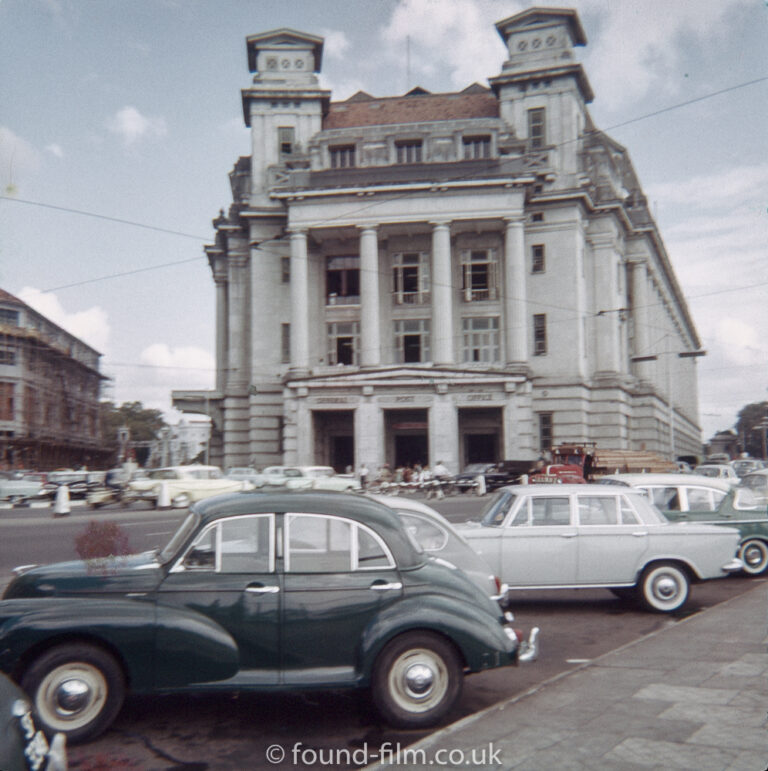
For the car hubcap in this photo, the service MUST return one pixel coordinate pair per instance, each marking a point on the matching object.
(71, 696)
(666, 588)
(418, 680)
(753, 556)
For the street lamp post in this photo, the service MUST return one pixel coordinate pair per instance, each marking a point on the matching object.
(670, 403)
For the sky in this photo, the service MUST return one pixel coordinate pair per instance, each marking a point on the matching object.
(121, 119)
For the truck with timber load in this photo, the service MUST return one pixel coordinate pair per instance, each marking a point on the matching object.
(585, 462)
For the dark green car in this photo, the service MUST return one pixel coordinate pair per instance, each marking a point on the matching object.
(255, 591)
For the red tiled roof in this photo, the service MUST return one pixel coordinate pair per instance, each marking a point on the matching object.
(473, 102)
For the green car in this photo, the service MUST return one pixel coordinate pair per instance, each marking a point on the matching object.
(255, 591)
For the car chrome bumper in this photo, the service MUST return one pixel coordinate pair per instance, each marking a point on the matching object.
(734, 566)
(529, 649)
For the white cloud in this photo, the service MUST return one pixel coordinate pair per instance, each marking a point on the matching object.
(336, 43)
(90, 325)
(55, 149)
(131, 126)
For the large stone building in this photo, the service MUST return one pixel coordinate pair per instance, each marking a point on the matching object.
(457, 276)
(49, 393)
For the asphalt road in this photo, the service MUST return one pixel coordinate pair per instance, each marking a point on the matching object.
(225, 732)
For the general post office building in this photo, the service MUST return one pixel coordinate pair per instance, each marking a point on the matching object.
(462, 277)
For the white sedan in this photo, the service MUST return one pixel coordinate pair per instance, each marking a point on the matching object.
(587, 536)
(183, 485)
(308, 477)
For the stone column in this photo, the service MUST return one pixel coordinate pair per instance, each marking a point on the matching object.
(607, 323)
(442, 295)
(515, 294)
(370, 321)
(444, 432)
(640, 316)
(299, 303)
(220, 279)
(237, 312)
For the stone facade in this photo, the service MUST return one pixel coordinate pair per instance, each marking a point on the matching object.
(459, 277)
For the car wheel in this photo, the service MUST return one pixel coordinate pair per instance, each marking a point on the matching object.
(754, 555)
(417, 678)
(664, 587)
(77, 689)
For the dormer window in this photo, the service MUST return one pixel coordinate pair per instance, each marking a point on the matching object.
(342, 156)
(408, 151)
(477, 147)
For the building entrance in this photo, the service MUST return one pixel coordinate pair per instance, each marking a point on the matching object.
(334, 438)
(406, 437)
(480, 435)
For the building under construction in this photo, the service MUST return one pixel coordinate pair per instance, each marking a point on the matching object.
(49, 393)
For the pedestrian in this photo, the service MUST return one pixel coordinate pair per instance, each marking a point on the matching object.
(363, 476)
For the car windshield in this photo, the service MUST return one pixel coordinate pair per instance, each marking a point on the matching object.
(179, 538)
(496, 509)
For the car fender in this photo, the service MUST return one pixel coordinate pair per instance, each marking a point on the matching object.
(159, 647)
(478, 636)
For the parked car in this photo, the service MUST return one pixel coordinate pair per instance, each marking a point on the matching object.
(744, 466)
(717, 471)
(438, 538)
(495, 474)
(240, 599)
(244, 474)
(307, 477)
(757, 483)
(76, 482)
(185, 484)
(23, 746)
(590, 535)
(704, 499)
(17, 487)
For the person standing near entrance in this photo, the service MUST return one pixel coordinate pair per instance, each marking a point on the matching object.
(363, 476)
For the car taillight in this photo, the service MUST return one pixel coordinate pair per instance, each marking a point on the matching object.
(497, 581)
(519, 634)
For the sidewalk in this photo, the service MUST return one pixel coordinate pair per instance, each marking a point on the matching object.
(689, 696)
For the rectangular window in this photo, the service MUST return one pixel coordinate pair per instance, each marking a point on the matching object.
(538, 264)
(412, 339)
(480, 340)
(6, 401)
(545, 431)
(285, 343)
(479, 275)
(342, 281)
(477, 147)
(342, 157)
(7, 355)
(285, 270)
(285, 140)
(343, 343)
(408, 151)
(537, 129)
(8, 316)
(410, 278)
(539, 334)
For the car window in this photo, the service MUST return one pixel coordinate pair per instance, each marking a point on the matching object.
(496, 509)
(597, 510)
(666, 498)
(628, 514)
(324, 544)
(291, 472)
(550, 511)
(427, 534)
(237, 545)
(699, 499)
(756, 481)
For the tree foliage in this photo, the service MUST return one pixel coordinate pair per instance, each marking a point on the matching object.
(142, 422)
(749, 429)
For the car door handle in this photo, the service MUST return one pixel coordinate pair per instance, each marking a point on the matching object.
(640, 533)
(567, 535)
(261, 589)
(383, 586)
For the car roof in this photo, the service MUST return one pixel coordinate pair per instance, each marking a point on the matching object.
(358, 508)
(558, 489)
(635, 480)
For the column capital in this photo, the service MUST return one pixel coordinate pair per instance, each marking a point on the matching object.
(369, 228)
(441, 224)
(514, 219)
